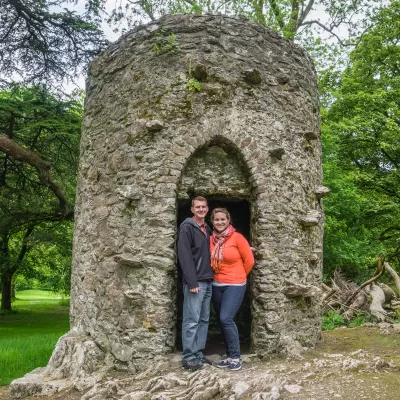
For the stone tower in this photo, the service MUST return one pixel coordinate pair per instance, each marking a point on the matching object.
(189, 105)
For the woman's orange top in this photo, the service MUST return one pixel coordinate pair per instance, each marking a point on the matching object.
(238, 260)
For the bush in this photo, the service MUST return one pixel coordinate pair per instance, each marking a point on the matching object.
(332, 321)
(360, 318)
(22, 283)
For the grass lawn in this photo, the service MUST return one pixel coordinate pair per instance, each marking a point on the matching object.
(28, 335)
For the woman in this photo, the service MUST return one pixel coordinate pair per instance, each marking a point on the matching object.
(231, 260)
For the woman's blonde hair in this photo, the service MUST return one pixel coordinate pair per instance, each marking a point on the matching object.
(221, 210)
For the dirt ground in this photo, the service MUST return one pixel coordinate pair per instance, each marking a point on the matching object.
(348, 363)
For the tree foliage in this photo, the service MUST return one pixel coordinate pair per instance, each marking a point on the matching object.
(289, 17)
(362, 148)
(31, 213)
(40, 42)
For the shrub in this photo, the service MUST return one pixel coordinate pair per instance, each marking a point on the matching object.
(332, 320)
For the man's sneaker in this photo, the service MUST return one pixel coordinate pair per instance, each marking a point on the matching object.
(192, 364)
(205, 360)
(223, 364)
(235, 365)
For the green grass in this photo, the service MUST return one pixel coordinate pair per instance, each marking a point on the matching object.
(28, 335)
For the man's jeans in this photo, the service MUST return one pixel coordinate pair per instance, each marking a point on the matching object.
(226, 301)
(196, 313)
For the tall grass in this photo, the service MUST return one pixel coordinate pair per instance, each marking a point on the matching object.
(28, 334)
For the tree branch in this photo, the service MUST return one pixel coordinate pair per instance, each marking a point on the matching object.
(24, 249)
(5, 36)
(394, 275)
(14, 150)
(378, 273)
(258, 7)
(305, 12)
(327, 30)
(15, 222)
(293, 20)
(384, 234)
(146, 7)
(278, 14)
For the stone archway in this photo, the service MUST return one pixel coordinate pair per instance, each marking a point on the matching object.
(218, 172)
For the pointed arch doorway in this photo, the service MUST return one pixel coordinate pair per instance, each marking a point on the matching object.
(218, 173)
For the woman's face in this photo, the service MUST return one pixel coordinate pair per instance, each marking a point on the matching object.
(220, 222)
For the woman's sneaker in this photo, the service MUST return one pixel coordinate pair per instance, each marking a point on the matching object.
(223, 364)
(235, 365)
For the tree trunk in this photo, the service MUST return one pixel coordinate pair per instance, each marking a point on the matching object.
(6, 288)
(13, 292)
(394, 275)
(378, 299)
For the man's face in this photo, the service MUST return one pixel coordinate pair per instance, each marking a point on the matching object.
(199, 209)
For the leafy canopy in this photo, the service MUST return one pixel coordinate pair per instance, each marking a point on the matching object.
(35, 234)
(362, 148)
(41, 42)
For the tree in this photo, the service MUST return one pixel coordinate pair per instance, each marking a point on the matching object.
(363, 129)
(34, 207)
(40, 45)
(291, 18)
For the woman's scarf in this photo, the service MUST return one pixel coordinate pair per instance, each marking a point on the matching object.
(219, 240)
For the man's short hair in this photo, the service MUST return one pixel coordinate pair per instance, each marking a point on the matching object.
(199, 198)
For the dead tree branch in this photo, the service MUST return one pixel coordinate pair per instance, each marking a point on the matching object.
(378, 273)
(394, 275)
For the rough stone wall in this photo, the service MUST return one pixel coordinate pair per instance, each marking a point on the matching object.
(142, 125)
(214, 171)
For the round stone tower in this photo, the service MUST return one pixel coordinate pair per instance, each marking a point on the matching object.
(193, 105)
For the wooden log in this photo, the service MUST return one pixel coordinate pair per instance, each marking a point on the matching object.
(394, 275)
(378, 300)
(389, 292)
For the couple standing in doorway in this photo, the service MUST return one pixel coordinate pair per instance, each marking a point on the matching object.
(215, 264)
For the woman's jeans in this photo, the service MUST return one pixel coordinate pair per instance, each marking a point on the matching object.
(196, 314)
(226, 301)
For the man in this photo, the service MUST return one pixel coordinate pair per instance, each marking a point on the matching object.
(197, 276)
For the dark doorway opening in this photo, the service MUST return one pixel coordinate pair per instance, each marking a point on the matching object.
(239, 210)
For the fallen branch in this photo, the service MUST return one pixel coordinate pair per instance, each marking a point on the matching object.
(378, 273)
(394, 275)
(329, 294)
(378, 299)
(389, 292)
